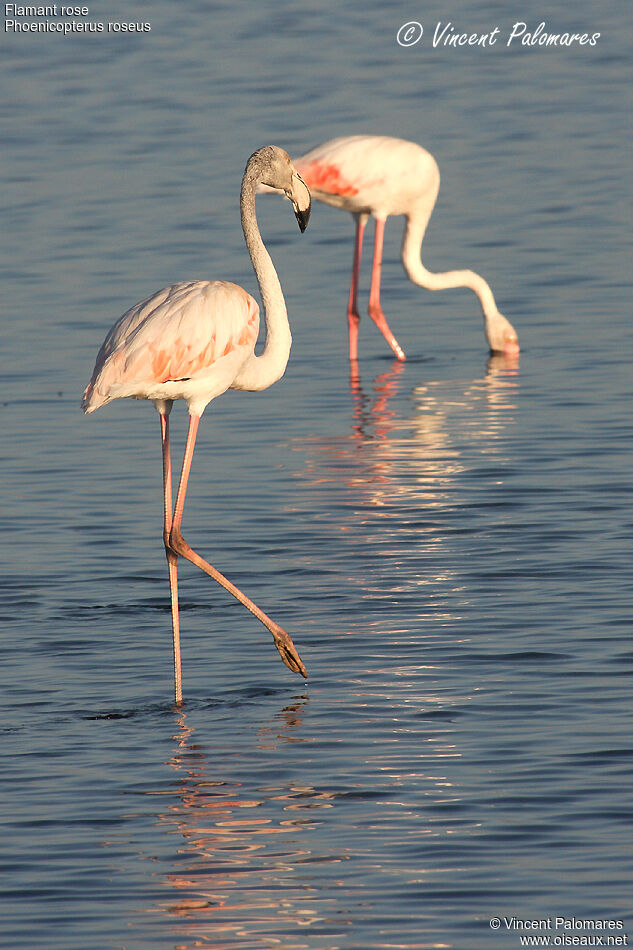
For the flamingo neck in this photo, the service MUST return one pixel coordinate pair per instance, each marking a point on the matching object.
(262, 371)
(417, 272)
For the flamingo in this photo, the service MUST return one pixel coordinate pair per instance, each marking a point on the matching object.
(193, 341)
(377, 176)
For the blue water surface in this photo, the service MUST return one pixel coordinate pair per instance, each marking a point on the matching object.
(448, 540)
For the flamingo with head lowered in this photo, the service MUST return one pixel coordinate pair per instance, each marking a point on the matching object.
(377, 176)
(193, 341)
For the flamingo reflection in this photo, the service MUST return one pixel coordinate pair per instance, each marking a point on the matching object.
(412, 451)
(373, 414)
(238, 850)
(386, 497)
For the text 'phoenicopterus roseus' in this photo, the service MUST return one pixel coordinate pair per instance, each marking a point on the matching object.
(377, 176)
(193, 341)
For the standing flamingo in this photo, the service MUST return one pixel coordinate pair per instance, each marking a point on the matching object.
(193, 341)
(379, 176)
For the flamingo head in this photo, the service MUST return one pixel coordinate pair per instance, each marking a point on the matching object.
(271, 167)
(502, 336)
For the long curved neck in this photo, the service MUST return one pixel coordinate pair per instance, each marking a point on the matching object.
(264, 370)
(418, 273)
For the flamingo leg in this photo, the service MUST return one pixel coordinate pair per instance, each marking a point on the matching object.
(353, 316)
(179, 546)
(375, 310)
(171, 557)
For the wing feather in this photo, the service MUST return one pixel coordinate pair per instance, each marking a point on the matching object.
(178, 333)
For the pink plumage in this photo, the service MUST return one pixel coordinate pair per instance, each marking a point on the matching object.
(187, 337)
(371, 174)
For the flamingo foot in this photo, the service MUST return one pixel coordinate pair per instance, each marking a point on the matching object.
(397, 349)
(287, 650)
(375, 312)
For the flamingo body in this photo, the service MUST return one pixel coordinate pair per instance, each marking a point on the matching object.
(188, 341)
(379, 176)
(193, 341)
(372, 175)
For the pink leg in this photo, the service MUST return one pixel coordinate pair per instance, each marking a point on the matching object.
(171, 557)
(353, 316)
(178, 545)
(375, 310)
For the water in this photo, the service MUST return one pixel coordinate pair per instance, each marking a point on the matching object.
(448, 541)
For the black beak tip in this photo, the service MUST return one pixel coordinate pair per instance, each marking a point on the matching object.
(303, 217)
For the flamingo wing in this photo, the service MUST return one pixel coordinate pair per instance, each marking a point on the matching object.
(176, 335)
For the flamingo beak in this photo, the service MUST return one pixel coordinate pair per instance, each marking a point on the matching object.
(303, 217)
(299, 194)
